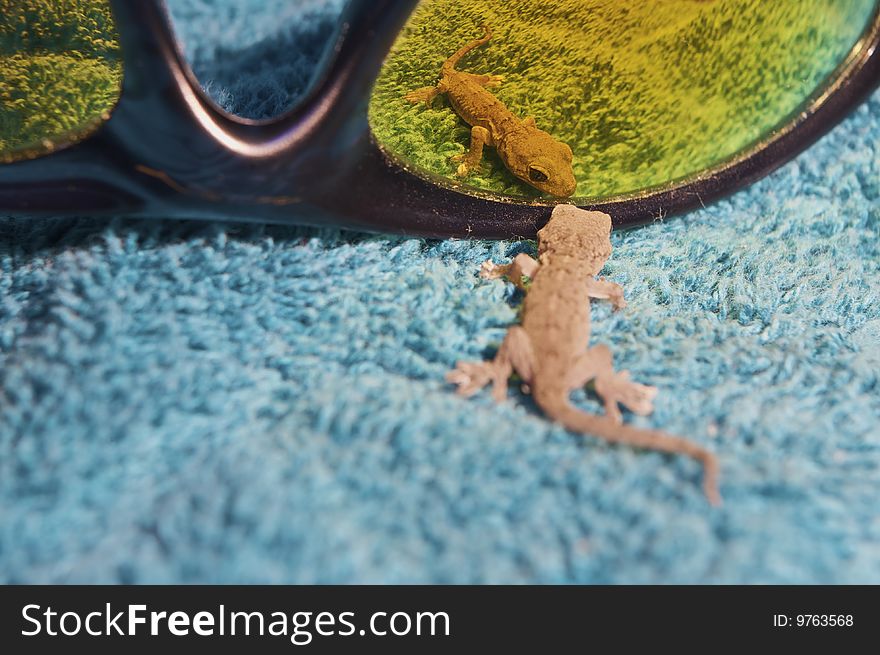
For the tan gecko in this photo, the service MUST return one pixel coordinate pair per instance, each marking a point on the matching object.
(549, 350)
(531, 154)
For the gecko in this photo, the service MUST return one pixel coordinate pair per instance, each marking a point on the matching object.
(528, 152)
(549, 350)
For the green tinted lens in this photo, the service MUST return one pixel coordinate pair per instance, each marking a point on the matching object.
(60, 73)
(643, 91)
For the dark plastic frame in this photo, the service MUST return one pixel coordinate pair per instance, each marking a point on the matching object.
(167, 150)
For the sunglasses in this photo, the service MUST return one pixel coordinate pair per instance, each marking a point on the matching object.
(661, 106)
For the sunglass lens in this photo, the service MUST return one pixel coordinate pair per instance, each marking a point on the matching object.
(643, 92)
(60, 73)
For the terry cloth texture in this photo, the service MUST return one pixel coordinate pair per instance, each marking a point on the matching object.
(197, 402)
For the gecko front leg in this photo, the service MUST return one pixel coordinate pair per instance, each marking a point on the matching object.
(602, 289)
(426, 94)
(522, 266)
(515, 354)
(470, 160)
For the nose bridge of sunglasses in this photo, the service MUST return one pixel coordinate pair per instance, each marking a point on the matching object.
(167, 120)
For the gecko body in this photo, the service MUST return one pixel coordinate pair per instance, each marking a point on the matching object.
(549, 350)
(530, 153)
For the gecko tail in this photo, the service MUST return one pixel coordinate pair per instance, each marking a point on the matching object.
(450, 63)
(604, 428)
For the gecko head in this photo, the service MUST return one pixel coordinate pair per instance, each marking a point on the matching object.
(538, 159)
(578, 233)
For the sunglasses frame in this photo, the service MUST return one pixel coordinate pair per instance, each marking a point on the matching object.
(168, 151)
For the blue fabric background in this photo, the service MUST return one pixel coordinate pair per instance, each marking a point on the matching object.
(192, 402)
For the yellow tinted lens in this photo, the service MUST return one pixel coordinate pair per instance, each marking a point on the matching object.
(644, 92)
(60, 73)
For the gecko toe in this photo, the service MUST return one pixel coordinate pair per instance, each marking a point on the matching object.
(492, 271)
(469, 377)
(499, 390)
(617, 389)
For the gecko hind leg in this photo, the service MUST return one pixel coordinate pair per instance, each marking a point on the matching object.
(515, 354)
(613, 387)
(470, 160)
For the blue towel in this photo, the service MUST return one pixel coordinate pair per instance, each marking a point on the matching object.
(199, 402)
